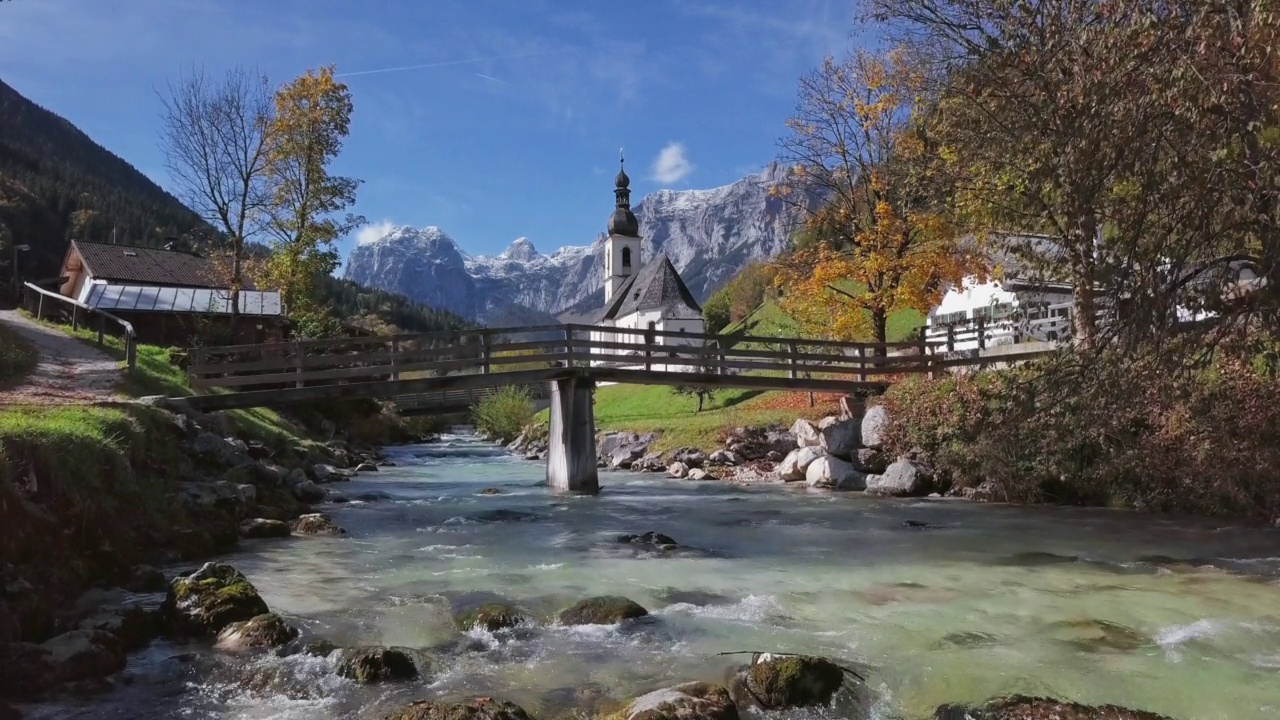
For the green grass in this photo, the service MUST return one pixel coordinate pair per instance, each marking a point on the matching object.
(655, 408)
(770, 320)
(17, 358)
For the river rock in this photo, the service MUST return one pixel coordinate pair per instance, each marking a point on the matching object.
(603, 610)
(699, 474)
(690, 701)
(377, 664)
(317, 524)
(219, 494)
(491, 617)
(650, 538)
(324, 473)
(725, 457)
(1097, 636)
(872, 461)
(805, 433)
(263, 528)
(986, 491)
(840, 438)
(133, 624)
(794, 466)
(211, 598)
(874, 422)
(219, 450)
(901, 479)
(651, 462)
(264, 631)
(84, 655)
(832, 472)
(692, 457)
(490, 491)
(781, 682)
(678, 470)
(473, 709)
(1029, 708)
(145, 578)
(366, 467)
(308, 492)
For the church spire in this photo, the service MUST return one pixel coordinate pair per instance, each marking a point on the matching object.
(623, 221)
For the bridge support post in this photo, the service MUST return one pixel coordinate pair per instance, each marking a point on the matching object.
(571, 451)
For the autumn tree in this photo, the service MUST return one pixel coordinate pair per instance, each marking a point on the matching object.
(312, 116)
(216, 142)
(879, 240)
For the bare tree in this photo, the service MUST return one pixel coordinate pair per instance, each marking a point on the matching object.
(216, 142)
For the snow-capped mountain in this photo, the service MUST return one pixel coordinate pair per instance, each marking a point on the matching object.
(708, 234)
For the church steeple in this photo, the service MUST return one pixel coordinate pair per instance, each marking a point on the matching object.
(623, 221)
(622, 247)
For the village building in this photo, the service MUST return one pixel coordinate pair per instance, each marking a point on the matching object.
(639, 297)
(169, 296)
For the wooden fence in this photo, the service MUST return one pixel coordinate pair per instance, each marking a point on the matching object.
(47, 304)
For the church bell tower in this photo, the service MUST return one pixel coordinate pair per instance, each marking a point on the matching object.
(622, 248)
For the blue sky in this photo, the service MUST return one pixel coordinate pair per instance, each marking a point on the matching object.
(512, 129)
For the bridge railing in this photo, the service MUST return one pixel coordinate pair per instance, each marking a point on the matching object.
(503, 350)
(44, 303)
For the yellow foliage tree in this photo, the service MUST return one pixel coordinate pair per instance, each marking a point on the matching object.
(878, 237)
(312, 118)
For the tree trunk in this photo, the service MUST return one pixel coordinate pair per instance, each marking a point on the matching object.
(695, 412)
(880, 329)
(1084, 281)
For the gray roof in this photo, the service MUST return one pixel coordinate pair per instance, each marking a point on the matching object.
(149, 266)
(657, 286)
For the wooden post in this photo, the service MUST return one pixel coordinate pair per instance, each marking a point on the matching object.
(195, 375)
(951, 337)
(982, 332)
(40, 307)
(719, 357)
(395, 358)
(298, 360)
(102, 327)
(792, 359)
(130, 350)
(649, 340)
(75, 317)
(862, 363)
(485, 339)
(568, 349)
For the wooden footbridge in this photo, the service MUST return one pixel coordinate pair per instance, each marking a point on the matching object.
(439, 371)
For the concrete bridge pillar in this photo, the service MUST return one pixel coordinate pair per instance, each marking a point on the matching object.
(571, 451)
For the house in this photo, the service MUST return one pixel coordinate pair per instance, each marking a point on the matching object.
(170, 297)
(638, 296)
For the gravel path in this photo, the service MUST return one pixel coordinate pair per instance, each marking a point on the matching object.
(69, 370)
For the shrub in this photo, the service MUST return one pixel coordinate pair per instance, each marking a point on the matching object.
(503, 414)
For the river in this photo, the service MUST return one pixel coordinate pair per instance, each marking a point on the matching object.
(980, 601)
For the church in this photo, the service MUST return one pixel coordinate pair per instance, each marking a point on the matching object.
(638, 296)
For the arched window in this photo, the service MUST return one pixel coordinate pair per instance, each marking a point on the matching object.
(626, 257)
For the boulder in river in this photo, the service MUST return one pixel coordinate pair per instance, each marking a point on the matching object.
(491, 617)
(805, 433)
(473, 709)
(84, 655)
(264, 631)
(901, 479)
(691, 457)
(678, 470)
(840, 438)
(780, 682)
(211, 598)
(603, 610)
(699, 474)
(690, 701)
(1097, 636)
(490, 491)
(725, 457)
(1019, 707)
(831, 472)
(377, 664)
(874, 422)
(264, 528)
(317, 524)
(366, 467)
(308, 492)
(794, 466)
(133, 624)
(650, 538)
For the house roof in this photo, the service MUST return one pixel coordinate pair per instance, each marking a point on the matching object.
(148, 266)
(141, 298)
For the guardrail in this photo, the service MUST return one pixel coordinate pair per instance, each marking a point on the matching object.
(34, 301)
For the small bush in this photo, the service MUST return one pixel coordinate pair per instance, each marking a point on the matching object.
(503, 414)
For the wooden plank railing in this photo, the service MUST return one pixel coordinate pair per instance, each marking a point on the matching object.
(44, 303)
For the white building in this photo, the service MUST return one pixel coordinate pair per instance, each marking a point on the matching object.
(639, 297)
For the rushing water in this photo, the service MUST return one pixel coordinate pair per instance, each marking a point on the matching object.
(983, 601)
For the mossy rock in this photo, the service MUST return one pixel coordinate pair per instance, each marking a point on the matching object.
(1097, 636)
(481, 708)
(317, 524)
(211, 598)
(264, 631)
(1028, 708)
(491, 617)
(603, 610)
(377, 664)
(781, 682)
(690, 701)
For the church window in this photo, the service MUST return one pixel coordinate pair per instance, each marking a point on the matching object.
(626, 257)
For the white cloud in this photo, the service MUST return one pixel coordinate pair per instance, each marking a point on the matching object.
(671, 165)
(373, 232)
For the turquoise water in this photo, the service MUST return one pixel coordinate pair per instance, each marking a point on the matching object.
(985, 600)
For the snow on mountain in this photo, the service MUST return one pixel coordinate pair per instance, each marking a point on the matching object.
(708, 234)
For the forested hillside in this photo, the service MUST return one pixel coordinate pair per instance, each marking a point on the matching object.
(57, 183)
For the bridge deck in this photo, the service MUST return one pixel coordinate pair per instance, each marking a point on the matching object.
(458, 364)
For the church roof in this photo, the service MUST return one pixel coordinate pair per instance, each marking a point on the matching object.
(656, 287)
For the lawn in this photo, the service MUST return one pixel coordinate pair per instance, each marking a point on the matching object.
(655, 408)
(17, 358)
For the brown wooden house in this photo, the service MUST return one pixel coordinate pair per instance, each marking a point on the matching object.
(171, 297)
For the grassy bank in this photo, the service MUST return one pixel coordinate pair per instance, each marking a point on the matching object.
(17, 358)
(655, 408)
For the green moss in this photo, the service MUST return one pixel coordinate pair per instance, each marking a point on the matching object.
(491, 617)
(794, 681)
(604, 610)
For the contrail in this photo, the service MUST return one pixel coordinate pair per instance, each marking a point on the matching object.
(452, 62)
(486, 77)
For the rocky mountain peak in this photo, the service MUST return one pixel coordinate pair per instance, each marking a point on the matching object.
(521, 249)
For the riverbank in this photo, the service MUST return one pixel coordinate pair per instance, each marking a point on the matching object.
(935, 603)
